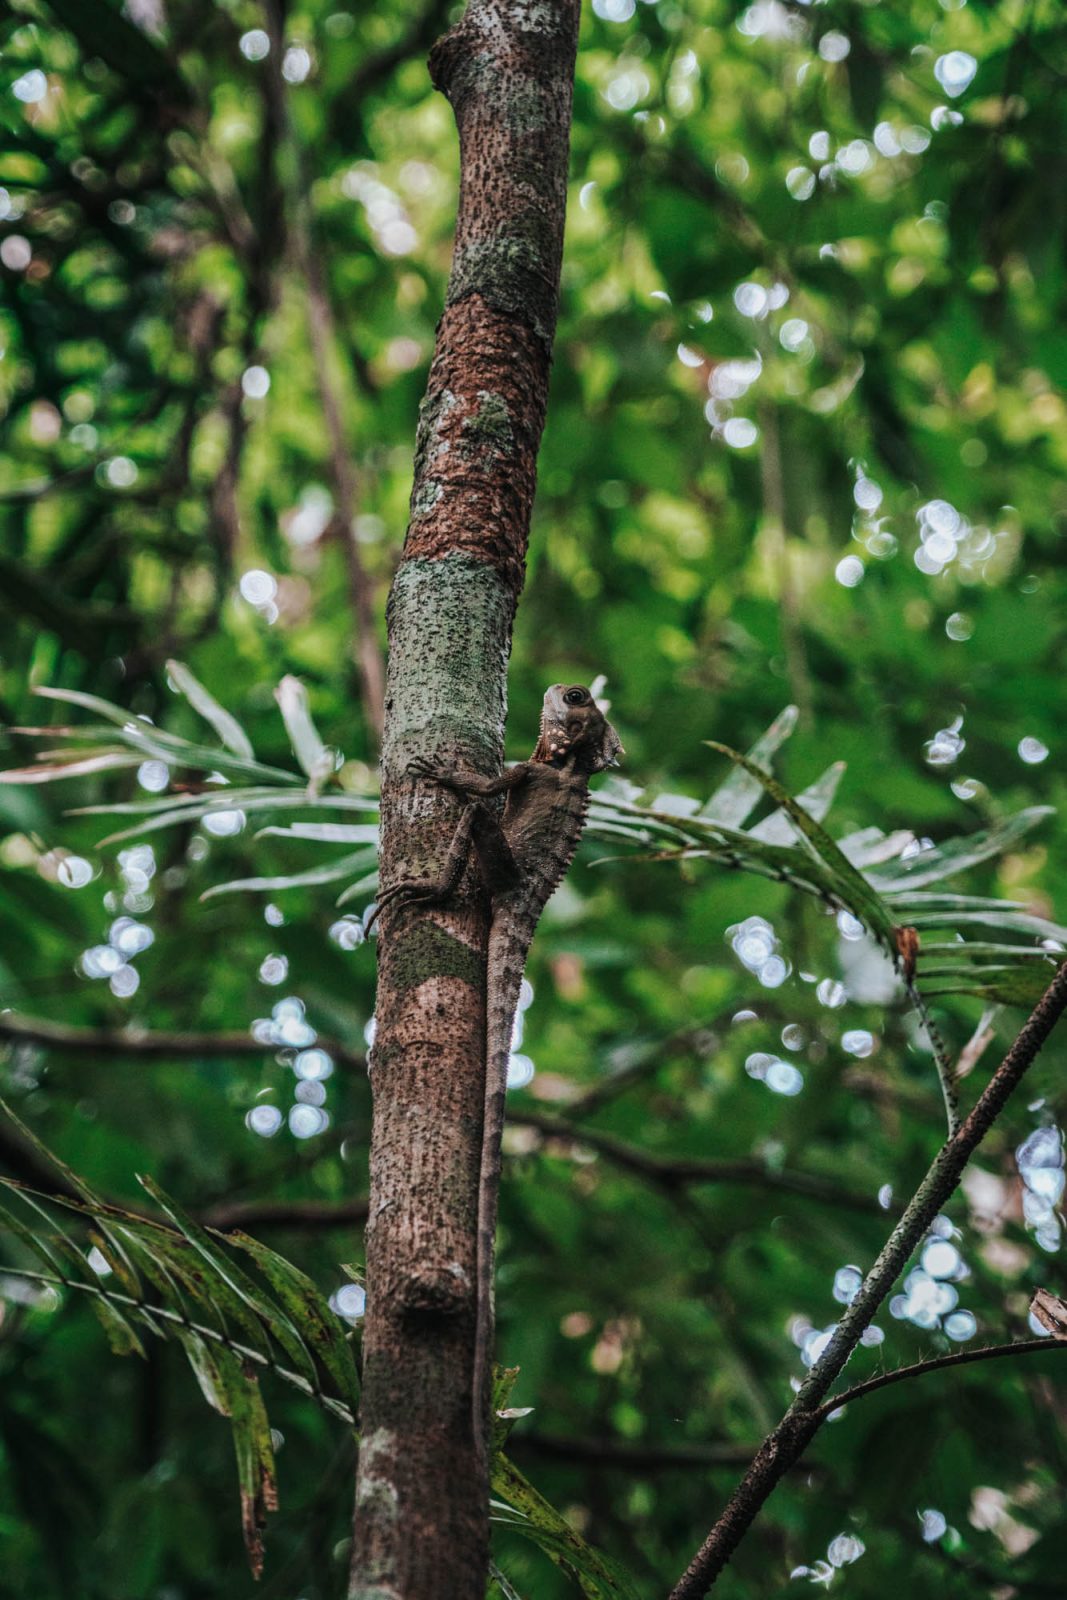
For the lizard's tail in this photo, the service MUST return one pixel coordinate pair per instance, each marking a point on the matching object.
(507, 955)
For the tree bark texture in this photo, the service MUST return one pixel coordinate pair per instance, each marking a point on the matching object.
(421, 1518)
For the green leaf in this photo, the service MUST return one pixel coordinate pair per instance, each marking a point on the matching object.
(329, 872)
(227, 727)
(503, 1583)
(258, 1312)
(598, 1577)
(146, 737)
(320, 1327)
(308, 747)
(251, 799)
(816, 800)
(52, 772)
(945, 860)
(733, 801)
(853, 889)
(354, 890)
(254, 1450)
(325, 832)
(120, 1335)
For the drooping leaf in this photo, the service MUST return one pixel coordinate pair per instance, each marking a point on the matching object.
(598, 1577)
(226, 726)
(320, 1328)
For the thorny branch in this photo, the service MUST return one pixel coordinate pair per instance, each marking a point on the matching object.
(786, 1443)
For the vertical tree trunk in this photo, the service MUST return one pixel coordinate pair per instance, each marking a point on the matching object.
(421, 1520)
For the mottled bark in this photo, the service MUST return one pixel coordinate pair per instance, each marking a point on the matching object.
(421, 1522)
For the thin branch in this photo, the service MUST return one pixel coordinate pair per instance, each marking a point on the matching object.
(674, 1172)
(788, 1441)
(628, 1455)
(154, 1046)
(698, 1038)
(959, 1358)
(20, 1159)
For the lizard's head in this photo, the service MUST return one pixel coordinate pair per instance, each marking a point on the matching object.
(573, 727)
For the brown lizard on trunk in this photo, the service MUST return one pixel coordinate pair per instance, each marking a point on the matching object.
(524, 856)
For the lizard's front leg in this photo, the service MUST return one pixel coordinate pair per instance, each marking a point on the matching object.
(434, 890)
(466, 782)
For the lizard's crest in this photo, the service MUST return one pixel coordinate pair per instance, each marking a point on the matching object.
(573, 727)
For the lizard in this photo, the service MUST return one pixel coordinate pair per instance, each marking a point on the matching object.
(523, 856)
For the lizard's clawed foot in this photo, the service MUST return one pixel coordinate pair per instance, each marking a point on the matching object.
(421, 767)
(411, 892)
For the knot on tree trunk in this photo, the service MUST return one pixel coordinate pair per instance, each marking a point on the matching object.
(436, 1289)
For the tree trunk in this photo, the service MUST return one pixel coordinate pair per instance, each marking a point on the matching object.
(421, 1519)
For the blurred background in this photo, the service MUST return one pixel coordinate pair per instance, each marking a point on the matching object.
(806, 446)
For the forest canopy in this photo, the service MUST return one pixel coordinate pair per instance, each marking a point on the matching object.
(800, 494)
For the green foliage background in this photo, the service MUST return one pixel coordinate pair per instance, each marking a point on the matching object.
(907, 350)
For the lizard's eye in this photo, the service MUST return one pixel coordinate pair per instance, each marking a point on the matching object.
(576, 697)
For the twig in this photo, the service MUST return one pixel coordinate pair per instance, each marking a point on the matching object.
(959, 1358)
(628, 1455)
(154, 1046)
(788, 1441)
(672, 1172)
(19, 1159)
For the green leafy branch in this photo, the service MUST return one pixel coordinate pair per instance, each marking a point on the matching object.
(179, 1281)
(889, 882)
(882, 880)
(182, 1283)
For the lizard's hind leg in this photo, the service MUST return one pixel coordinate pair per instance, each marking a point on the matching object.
(432, 891)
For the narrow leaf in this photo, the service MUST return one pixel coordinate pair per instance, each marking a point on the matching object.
(227, 727)
(734, 800)
(329, 872)
(308, 747)
(956, 855)
(230, 1286)
(320, 1327)
(120, 1334)
(598, 1577)
(325, 832)
(853, 889)
(816, 801)
(69, 769)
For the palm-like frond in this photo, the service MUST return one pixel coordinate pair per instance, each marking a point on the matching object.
(882, 879)
(182, 1282)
